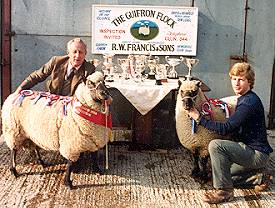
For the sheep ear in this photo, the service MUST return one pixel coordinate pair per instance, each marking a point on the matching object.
(198, 83)
(179, 82)
(89, 83)
(184, 78)
(204, 87)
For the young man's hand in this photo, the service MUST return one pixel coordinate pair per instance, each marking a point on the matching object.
(194, 113)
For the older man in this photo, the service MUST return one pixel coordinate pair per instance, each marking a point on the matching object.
(66, 71)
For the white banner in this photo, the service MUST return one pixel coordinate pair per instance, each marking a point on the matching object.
(155, 30)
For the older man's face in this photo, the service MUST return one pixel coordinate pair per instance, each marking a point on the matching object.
(77, 53)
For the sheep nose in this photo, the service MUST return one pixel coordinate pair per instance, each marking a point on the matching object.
(105, 94)
(188, 104)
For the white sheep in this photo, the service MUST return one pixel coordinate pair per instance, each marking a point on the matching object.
(190, 95)
(144, 30)
(58, 123)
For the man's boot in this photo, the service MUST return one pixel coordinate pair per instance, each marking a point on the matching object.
(265, 181)
(219, 196)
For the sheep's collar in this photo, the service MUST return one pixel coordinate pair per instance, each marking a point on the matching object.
(91, 114)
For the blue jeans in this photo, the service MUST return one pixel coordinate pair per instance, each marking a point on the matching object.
(229, 158)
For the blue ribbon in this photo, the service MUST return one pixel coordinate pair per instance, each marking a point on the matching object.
(65, 109)
(194, 126)
(65, 102)
(23, 94)
(20, 99)
(38, 97)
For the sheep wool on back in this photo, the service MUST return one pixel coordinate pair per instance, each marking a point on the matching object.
(50, 127)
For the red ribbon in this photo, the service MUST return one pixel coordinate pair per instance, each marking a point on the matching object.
(92, 115)
(207, 110)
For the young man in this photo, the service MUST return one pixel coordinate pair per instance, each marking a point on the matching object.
(249, 149)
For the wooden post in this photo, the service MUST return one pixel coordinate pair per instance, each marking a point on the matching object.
(6, 49)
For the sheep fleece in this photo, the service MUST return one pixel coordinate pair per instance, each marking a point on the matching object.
(203, 136)
(49, 128)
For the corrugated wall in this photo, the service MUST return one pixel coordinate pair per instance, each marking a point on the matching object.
(43, 27)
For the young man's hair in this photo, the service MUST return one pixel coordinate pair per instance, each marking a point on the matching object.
(76, 40)
(243, 69)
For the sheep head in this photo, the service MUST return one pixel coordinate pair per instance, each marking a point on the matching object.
(94, 90)
(188, 91)
(95, 82)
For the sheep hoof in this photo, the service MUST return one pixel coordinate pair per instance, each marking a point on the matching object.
(196, 172)
(69, 184)
(41, 162)
(96, 169)
(200, 177)
(14, 172)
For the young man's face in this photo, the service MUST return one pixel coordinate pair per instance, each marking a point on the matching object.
(240, 84)
(77, 53)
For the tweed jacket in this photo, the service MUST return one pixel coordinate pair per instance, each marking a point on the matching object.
(56, 68)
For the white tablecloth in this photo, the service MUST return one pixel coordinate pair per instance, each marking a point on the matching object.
(144, 96)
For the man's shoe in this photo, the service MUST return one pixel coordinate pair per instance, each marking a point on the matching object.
(219, 196)
(265, 182)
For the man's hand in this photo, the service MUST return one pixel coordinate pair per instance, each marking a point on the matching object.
(18, 90)
(109, 100)
(107, 104)
(194, 113)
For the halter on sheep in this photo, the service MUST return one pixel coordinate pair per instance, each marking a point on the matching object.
(70, 127)
(190, 95)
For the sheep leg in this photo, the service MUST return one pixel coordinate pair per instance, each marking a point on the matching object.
(13, 163)
(38, 156)
(67, 180)
(95, 166)
(196, 170)
(204, 172)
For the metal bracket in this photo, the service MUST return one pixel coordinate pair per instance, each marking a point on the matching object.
(10, 33)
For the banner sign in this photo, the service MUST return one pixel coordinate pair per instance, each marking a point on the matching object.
(155, 30)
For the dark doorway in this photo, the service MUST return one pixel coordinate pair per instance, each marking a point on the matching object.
(271, 115)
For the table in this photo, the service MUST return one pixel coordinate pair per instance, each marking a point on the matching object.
(144, 96)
